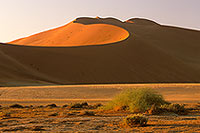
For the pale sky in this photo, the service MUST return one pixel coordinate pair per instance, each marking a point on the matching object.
(21, 18)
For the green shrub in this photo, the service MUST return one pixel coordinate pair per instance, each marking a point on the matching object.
(135, 100)
(135, 120)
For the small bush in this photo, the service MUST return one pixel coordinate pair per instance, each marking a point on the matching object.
(97, 105)
(175, 108)
(64, 106)
(40, 106)
(135, 100)
(16, 106)
(135, 120)
(167, 108)
(78, 105)
(52, 105)
(84, 104)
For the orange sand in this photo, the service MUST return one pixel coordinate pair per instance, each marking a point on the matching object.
(139, 51)
(75, 34)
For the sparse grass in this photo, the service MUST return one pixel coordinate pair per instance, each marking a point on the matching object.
(135, 100)
(85, 119)
(135, 120)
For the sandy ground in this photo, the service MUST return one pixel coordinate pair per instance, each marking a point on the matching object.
(70, 120)
(63, 119)
(181, 93)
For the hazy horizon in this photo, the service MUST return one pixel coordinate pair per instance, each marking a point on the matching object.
(21, 18)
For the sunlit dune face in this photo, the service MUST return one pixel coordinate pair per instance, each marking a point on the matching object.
(129, 22)
(76, 34)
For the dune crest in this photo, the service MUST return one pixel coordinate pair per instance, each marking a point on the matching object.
(76, 34)
(141, 21)
(152, 53)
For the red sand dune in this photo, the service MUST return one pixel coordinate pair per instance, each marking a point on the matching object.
(76, 34)
(139, 51)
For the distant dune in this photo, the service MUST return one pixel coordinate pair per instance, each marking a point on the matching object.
(103, 50)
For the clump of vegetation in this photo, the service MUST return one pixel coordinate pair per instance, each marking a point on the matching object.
(64, 106)
(95, 106)
(52, 105)
(154, 110)
(40, 106)
(16, 106)
(83, 105)
(135, 100)
(135, 120)
(78, 105)
(166, 108)
(75, 105)
(175, 108)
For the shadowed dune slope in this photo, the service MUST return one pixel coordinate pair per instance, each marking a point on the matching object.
(152, 53)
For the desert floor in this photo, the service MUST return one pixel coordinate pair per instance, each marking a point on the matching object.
(40, 95)
(55, 119)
